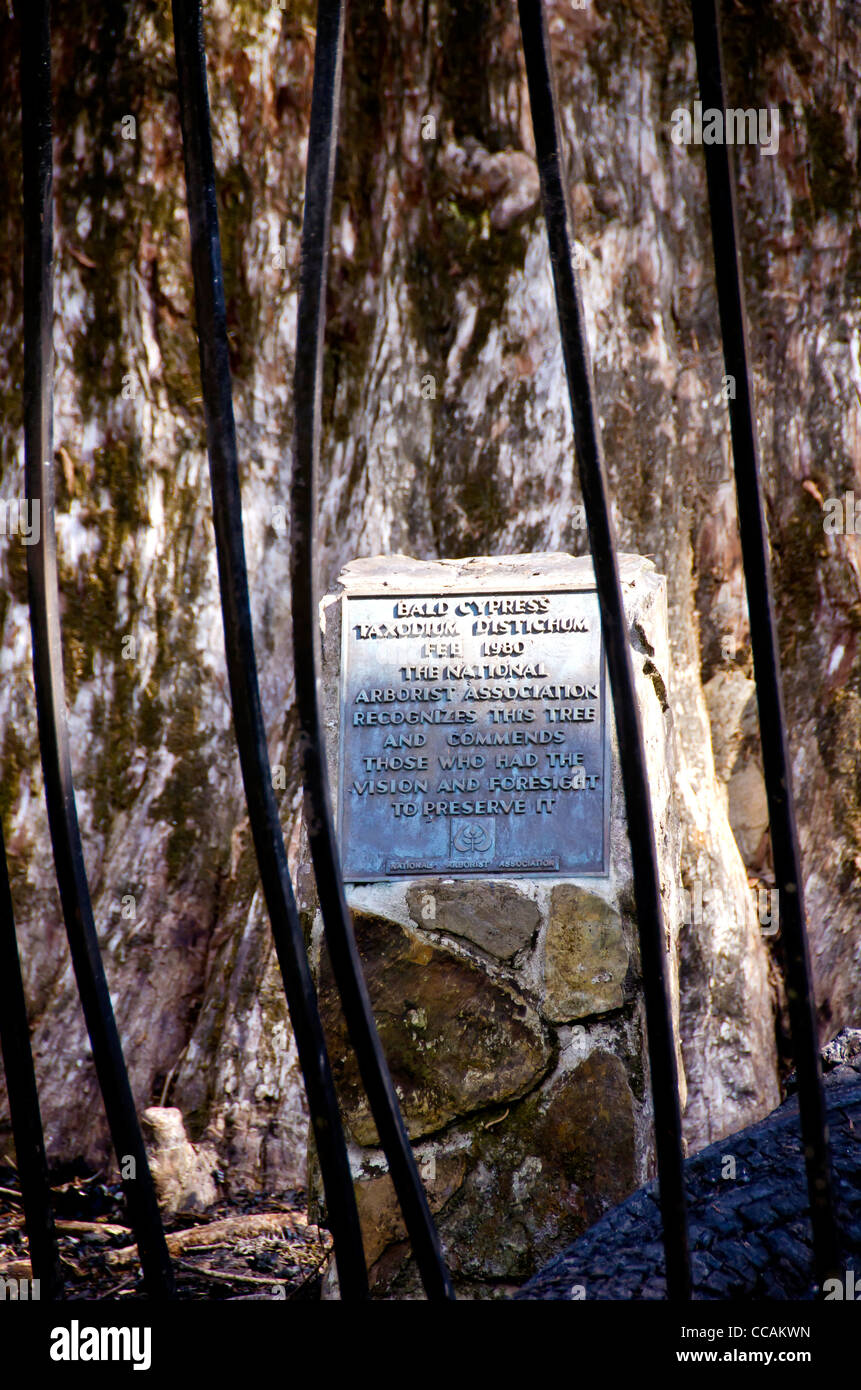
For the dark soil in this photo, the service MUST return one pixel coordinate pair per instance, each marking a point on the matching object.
(277, 1265)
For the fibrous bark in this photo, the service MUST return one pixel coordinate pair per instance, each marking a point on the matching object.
(446, 432)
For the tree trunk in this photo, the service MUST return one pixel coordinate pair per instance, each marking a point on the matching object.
(446, 433)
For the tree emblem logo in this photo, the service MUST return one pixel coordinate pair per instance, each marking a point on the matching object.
(471, 839)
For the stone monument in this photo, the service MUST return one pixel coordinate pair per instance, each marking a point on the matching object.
(483, 841)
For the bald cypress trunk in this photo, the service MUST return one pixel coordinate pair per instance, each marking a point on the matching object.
(446, 432)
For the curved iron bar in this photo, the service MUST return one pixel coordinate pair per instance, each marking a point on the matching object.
(766, 659)
(587, 440)
(346, 963)
(239, 645)
(34, 17)
(24, 1103)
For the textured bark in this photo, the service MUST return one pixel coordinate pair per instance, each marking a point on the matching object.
(439, 270)
(748, 1215)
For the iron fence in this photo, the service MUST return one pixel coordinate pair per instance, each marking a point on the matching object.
(34, 20)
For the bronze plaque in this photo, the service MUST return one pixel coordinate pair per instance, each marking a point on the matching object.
(474, 736)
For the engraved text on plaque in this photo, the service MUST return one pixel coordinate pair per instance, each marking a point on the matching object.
(473, 735)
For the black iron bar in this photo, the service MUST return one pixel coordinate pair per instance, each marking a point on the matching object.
(776, 760)
(24, 1103)
(34, 17)
(346, 963)
(239, 644)
(589, 451)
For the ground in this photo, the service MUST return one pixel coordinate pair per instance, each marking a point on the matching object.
(267, 1251)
